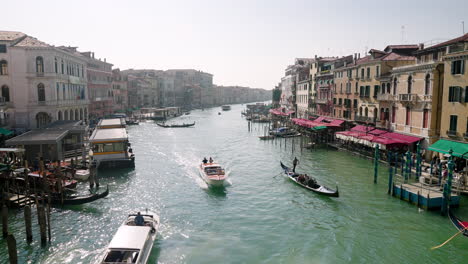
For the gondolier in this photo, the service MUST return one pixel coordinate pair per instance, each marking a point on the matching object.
(295, 162)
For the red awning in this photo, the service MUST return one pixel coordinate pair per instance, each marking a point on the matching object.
(319, 119)
(337, 122)
(362, 128)
(401, 137)
(278, 111)
(377, 132)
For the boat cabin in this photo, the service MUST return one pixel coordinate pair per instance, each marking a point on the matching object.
(214, 170)
(131, 244)
(110, 146)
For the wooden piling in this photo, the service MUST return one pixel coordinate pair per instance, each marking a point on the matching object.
(48, 217)
(12, 252)
(42, 223)
(5, 221)
(28, 222)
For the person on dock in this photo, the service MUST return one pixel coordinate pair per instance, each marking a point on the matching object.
(211, 160)
(295, 162)
(139, 220)
(204, 160)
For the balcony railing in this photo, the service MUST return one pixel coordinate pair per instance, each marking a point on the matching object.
(427, 98)
(408, 98)
(363, 118)
(321, 101)
(386, 97)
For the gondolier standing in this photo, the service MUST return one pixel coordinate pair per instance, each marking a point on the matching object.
(295, 162)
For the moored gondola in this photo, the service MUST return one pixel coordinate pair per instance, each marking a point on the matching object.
(77, 200)
(312, 186)
(462, 226)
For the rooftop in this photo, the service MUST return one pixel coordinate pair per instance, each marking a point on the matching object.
(110, 134)
(36, 137)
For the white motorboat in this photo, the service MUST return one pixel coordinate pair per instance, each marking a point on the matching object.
(81, 175)
(213, 174)
(133, 243)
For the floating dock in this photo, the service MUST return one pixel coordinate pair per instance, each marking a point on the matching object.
(429, 198)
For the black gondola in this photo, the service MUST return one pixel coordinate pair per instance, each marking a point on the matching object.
(315, 187)
(77, 200)
(175, 125)
(459, 224)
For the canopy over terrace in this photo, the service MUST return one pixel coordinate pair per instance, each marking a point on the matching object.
(459, 149)
(312, 124)
(279, 112)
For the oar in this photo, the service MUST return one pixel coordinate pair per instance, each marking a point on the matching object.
(448, 240)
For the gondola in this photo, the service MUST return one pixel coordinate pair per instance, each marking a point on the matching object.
(320, 189)
(175, 125)
(459, 224)
(77, 200)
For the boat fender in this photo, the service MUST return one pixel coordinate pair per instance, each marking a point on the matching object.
(153, 230)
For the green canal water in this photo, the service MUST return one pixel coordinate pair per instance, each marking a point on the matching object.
(260, 218)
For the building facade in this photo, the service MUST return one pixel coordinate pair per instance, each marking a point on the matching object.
(40, 83)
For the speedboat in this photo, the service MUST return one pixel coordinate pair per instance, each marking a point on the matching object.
(213, 174)
(226, 107)
(132, 243)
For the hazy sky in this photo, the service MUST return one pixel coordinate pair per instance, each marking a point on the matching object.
(241, 42)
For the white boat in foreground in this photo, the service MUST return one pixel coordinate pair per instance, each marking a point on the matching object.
(132, 243)
(81, 175)
(213, 174)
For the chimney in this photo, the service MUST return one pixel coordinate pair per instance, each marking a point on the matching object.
(92, 54)
(421, 46)
(359, 56)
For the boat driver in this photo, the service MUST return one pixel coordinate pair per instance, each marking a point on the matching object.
(204, 160)
(139, 220)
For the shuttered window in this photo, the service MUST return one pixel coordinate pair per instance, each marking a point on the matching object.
(453, 122)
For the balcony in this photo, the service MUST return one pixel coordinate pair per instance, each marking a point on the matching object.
(321, 101)
(426, 98)
(408, 98)
(452, 133)
(386, 97)
(364, 119)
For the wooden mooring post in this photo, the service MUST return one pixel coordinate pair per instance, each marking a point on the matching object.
(12, 252)
(5, 221)
(42, 223)
(28, 223)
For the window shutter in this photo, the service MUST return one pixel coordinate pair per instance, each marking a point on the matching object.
(462, 66)
(460, 94)
(450, 94)
(453, 67)
(466, 94)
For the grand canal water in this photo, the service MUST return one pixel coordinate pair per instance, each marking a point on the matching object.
(260, 218)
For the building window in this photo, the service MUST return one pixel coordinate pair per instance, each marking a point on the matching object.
(377, 71)
(63, 92)
(6, 93)
(455, 94)
(376, 90)
(362, 73)
(458, 67)
(394, 86)
(62, 66)
(340, 101)
(388, 88)
(466, 94)
(41, 93)
(453, 123)
(366, 112)
(356, 88)
(3, 67)
(3, 48)
(39, 65)
(408, 116)
(368, 73)
(56, 65)
(393, 114)
(367, 91)
(425, 117)
(410, 83)
(355, 103)
(427, 84)
(360, 111)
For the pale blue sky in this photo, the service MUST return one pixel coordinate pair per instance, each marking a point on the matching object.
(241, 42)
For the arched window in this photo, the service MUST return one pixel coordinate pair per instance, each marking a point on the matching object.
(77, 117)
(356, 88)
(394, 85)
(362, 73)
(62, 67)
(3, 67)
(6, 93)
(366, 112)
(81, 114)
(427, 84)
(368, 73)
(71, 115)
(65, 115)
(410, 83)
(60, 116)
(360, 111)
(388, 88)
(42, 119)
(39, 64)
(382, 114)
(56, 65)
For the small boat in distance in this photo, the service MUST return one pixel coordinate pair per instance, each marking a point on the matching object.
(226, 107)
(213, 174)
(187, 113)
(175, 125)
(134, 239)
(266, 137)
(311, 185)
(77, 200)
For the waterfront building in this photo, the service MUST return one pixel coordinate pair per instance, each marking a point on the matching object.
(289, 83)
(342, 96)
(119, 91)
(413, 96)
(303, 91)
(373, 70)
(454, 116)
(99, 73)
(324, 86)
(40, 83)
